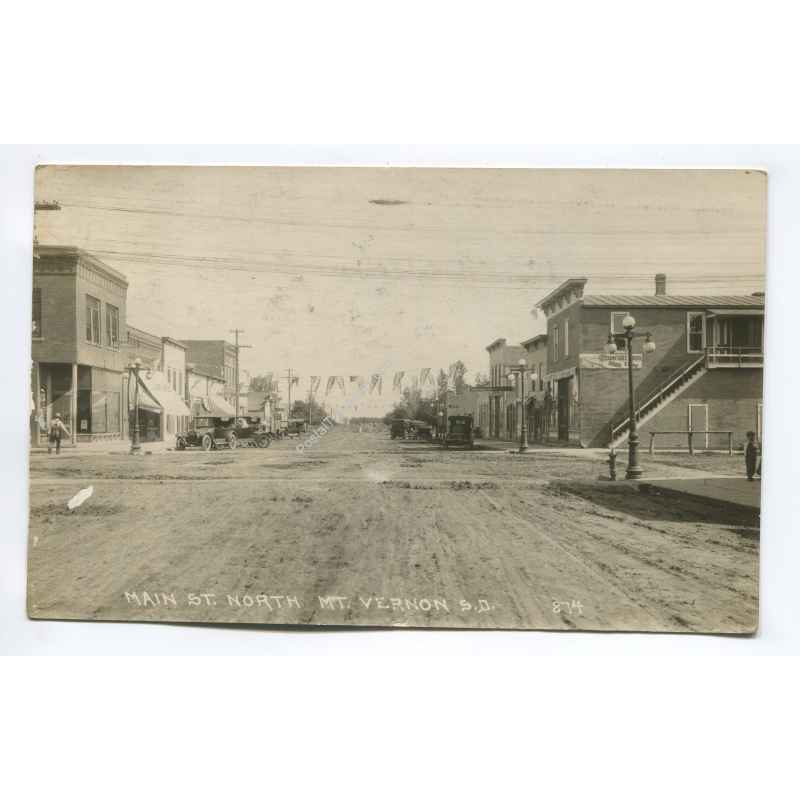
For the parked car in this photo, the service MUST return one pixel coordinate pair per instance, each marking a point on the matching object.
(397, 429)
(211, 433)
(418, 429)
(459, 432)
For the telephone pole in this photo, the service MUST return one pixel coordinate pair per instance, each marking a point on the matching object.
(236, 332)
(290, 379)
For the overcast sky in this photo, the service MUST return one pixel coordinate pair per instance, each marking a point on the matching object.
(342, 271)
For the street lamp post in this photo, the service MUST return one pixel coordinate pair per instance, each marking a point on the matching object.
(634, 470)
(133, 372)
(519, 371)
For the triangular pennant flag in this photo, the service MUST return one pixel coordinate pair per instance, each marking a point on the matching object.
(424, 376)
(314, 383)
(397, 384)
(375, 382)
(330, 384)
(340, 382)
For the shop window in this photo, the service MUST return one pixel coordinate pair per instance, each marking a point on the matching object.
(99, 420)
(92, 319)
(112, 326)
(113, 412)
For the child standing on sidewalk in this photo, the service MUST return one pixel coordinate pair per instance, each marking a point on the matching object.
(751, 455)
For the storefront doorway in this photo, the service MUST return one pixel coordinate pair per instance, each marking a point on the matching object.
(564, 395)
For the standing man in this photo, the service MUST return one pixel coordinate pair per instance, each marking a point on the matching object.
(57, 428)
(751, 455)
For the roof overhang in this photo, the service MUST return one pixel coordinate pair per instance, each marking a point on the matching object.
(735, 312)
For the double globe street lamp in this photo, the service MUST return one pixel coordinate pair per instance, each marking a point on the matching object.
(634, 470)
(133, 374)
(519, 372)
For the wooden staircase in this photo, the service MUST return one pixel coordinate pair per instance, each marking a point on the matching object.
(667, 392)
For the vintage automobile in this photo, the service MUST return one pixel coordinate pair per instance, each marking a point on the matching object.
(397, 429)
(459, 432)
(211, 433)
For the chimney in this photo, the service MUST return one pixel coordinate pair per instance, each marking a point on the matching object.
(661, 284)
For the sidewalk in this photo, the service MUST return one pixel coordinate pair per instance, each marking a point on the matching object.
(733, 490)
(540, 448)
(102, 448)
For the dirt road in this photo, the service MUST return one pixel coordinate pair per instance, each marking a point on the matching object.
(361, 530)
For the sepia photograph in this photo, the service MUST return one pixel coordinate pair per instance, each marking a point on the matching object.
(489, 398)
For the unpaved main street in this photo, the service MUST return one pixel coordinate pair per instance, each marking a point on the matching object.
(361, 530)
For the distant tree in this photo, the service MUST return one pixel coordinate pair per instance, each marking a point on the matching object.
(459, 371)
(300, 411)
(481, 379)
(261, 383)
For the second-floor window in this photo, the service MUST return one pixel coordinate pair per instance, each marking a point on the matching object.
(566, 338)
(556, 350)
(617, 330)
(112, 326)
(696, 331)
(92, 319)
(37, 314)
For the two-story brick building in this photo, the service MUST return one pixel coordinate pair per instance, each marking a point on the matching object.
(214, 357)
(537, 406)
(79, 307)
(705, 373)
(503, 408)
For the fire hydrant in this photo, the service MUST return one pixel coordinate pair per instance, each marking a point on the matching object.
(612, 464)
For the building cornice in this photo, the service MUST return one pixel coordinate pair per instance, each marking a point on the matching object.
(569, 292)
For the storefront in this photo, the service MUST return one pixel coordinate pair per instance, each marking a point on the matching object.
(162, 411)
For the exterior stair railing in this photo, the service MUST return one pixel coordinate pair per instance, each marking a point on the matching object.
(671, 385)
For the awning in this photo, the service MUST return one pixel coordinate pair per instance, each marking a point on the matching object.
(215, 406)
(736, 312)
(167, 399)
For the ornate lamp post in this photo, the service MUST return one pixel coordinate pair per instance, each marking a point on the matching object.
(519, 372)
(133, 374)
(634, 470)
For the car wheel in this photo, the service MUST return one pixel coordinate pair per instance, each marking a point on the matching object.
(263, 441)
(232, 441)
(180, 444)
(207, 443)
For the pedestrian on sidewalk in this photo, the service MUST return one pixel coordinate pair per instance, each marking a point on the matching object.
(57, 428)
(751, 455)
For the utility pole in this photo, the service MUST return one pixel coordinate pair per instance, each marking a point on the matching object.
(236, 332)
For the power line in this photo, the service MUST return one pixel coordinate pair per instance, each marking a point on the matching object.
(236, 332)
(220, 263)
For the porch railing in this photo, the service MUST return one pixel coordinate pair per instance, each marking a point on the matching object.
(692, 442)
(725, 356)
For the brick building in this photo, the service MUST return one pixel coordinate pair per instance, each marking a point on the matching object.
(705, 374)
(163, 391)
(214, 357)
(79, 307)
(537, 401)
(503, 410)
(206, 394)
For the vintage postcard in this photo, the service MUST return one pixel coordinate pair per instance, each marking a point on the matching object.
(445, 398)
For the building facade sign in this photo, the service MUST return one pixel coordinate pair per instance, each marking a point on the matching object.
(606, 361)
